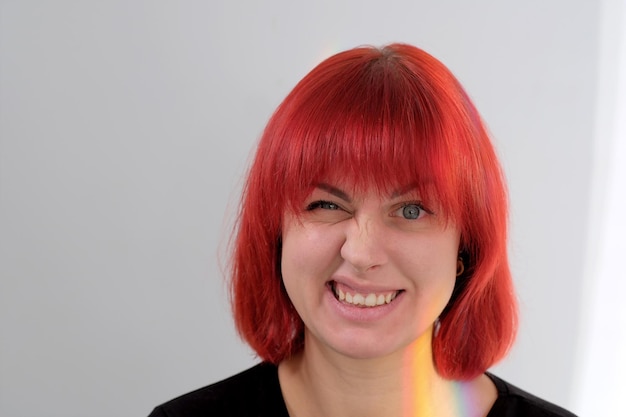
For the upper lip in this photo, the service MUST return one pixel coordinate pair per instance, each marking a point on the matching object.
(359, 287)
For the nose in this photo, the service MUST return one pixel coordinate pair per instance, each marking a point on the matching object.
(364, 247)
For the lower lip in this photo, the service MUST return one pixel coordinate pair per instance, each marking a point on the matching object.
(361, 314)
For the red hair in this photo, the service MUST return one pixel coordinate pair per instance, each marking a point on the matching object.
(383, 118)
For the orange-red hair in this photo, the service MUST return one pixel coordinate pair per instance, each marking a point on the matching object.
(383, 118)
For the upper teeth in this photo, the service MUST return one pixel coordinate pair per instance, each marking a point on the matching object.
(369, 300)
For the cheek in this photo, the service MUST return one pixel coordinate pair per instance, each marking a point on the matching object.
(430, 257)
(307, 252)
(443, 273)
(434, 281)
(432, 265)
(308, 260)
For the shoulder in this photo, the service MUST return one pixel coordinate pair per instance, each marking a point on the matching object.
(255, 390)
(513, 402)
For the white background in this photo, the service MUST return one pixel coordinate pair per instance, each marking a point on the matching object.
(126, 126)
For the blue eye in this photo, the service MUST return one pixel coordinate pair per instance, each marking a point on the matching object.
(411, 211)
(325, 205)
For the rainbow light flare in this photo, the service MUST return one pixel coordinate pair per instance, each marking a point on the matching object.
(420, 390)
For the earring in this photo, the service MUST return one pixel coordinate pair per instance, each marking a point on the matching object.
(460, 267)
(436, 327)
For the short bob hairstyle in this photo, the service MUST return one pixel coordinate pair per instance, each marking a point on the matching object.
(379, 118)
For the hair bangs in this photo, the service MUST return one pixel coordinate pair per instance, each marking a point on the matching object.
(371, 126)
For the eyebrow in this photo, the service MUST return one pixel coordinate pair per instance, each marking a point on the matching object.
(344, 196)
(404, 190)
(334, 191)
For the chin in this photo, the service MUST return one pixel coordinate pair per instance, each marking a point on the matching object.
(357, 347)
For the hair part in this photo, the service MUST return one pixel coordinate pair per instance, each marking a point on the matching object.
(379, 118)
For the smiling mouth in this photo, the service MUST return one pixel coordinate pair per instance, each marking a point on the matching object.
(363, 300)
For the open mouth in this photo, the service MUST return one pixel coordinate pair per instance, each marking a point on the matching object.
(362, 300)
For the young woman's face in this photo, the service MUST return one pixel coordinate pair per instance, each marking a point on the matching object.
(368, 274)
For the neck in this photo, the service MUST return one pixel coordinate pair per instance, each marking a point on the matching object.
(322, 382)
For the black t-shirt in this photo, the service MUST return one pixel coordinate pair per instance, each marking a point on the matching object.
(256, 393)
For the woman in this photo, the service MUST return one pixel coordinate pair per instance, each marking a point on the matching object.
(369, 268)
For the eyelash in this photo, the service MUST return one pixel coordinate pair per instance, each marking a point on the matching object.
(329, 205)
(320, 205)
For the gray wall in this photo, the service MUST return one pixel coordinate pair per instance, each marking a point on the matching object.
(125, 127)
